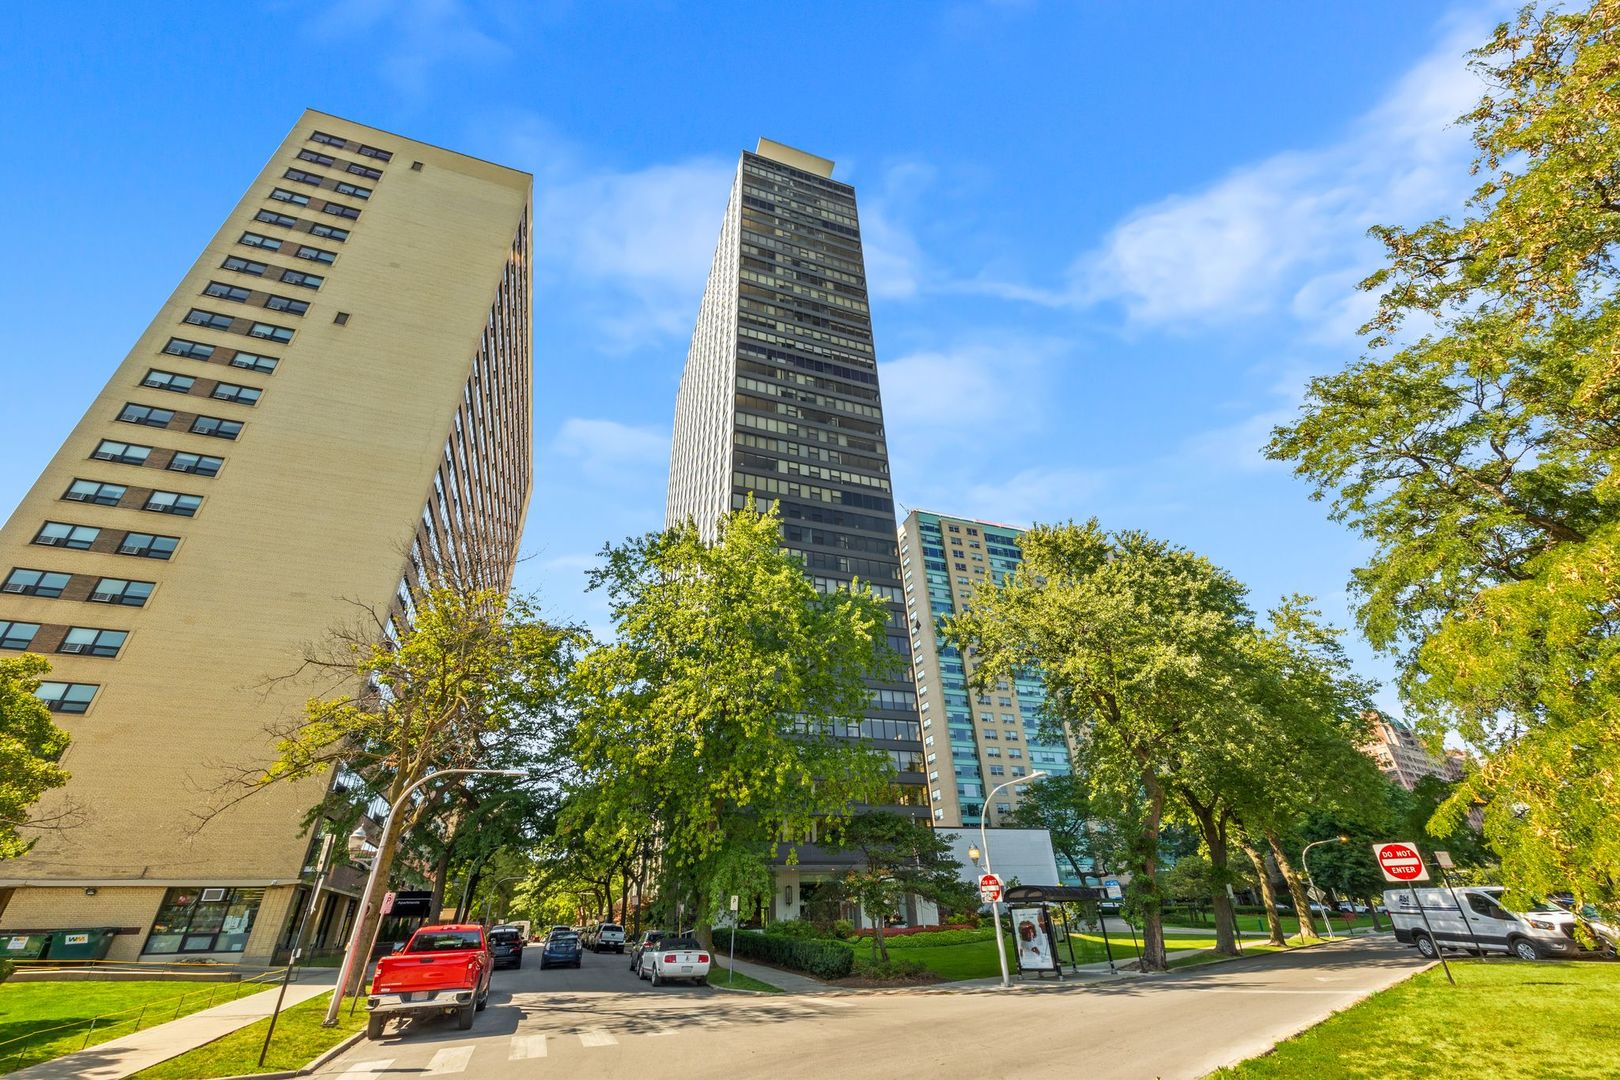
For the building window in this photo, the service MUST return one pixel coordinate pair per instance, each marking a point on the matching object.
(339, 210)
(123, 453)
(94, 491)
(270, 217)
(315, 254)
(998, 770)
(148, 546)
(90, 641)
(298, 277)
(316, 157)
(341, 318)
(1003, 808)
(244, 266)
(61, 534)
(241, 395)
(269, 332)
(217, 428)
(302, 177)
(210, 319)
(331, 232)
(254, 362)
(373, 152)
(17, 635)
(168, 380)
(283, 195)
(201, 464)
(363, 170)
(41, 583)
(196, 919)
(329, 140)
(287, 304)
(1018, 770)
(146, 414)
(255, 240)
(66, 697)
(192, 350)
(353, 189)
(173, 502)
(111, 590)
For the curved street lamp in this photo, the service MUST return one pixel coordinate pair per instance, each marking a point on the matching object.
(995, 906)
(353, 949)
(1305, 861)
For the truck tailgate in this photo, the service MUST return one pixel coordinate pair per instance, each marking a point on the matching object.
(407, 972)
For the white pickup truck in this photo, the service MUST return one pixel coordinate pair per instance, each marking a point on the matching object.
(607, 936)
(674, 958)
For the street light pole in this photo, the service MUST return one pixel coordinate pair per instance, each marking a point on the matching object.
(490, 900)
(1305, 861)
(355, 946)
(984, 846)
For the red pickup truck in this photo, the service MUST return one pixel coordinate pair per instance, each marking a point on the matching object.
(442, 969)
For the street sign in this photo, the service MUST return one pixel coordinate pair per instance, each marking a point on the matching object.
(734, 903)
(388, 903)
(1443, 858)
(989, 888)
(1400, 862)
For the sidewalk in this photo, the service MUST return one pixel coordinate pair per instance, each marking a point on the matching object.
(789, 981)
(118, 1058)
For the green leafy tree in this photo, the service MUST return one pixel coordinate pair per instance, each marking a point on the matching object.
(1063, 806)
(30, 745)
(1478, 456)
(1137, 642)
(713, 721)
(901, 856)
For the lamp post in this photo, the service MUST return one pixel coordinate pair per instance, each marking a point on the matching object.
(1305, 861)
(984, 844)
(355, 946)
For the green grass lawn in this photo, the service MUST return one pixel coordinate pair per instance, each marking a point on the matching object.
(1505, 1019)
(299, 1039)
(739, 981)
(44, 1020)
(977, 959)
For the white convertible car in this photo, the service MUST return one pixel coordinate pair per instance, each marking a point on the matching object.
(674, 958)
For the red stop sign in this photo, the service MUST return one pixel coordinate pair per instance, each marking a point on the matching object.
(1400, 862)
(989, 888)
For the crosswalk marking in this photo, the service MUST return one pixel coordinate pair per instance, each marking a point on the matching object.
(836, 1003)
(597, 1037)
(528, 1046)
(366, 1068)
(452, 1059)
(655, 1034)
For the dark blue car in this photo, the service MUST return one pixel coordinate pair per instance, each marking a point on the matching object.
(561, 950)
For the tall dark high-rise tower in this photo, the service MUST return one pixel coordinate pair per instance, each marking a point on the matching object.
(780, 398)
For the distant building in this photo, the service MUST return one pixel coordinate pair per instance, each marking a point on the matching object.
(1402, 756)
(972, 741)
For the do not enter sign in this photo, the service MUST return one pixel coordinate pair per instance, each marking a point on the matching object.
(1400, 862)
(989, 888)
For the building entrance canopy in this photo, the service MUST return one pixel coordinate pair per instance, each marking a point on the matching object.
(1052, 894)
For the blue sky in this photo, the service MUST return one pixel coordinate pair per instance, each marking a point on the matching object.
(1131, 232)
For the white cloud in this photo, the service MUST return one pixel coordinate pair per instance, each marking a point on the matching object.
(416, 36)
(1281, 231)
(611, 452)
(981, 382)
(1037, 494)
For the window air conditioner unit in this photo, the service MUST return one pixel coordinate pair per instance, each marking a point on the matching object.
(212, 896)
(71, 647)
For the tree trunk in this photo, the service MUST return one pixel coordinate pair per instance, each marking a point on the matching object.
(624, 893)
(1268, 897)
(1213, 828)
(1302, 904)
(1147, 887)
(441, 873)
(371, 905)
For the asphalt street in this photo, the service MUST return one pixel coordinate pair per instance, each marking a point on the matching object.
(601, 1022)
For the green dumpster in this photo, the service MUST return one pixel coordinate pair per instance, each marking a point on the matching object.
(23, 946)
(88, 944)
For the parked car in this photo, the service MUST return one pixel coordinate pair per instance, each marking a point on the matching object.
(561, 950)
(442, 969)
(1604, 929)
(674, 958)
(1473, 919)
(649, 939)
(506, 946)
(608, 936)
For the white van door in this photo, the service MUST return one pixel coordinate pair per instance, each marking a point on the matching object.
(1490, 923)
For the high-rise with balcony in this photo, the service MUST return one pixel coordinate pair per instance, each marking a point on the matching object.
(334, 401)
(779, 399)
(973, 741)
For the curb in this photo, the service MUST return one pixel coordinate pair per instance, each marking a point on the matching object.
(307, 1069)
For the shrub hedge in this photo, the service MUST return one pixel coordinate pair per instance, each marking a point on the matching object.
(938, 937)
(822, 958)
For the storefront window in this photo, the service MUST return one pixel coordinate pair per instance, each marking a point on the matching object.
(196, 919)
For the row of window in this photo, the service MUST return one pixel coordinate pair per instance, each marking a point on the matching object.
(363, 150)
(81, 537)
(220, 290)
(213, 320)
(159, 379)
(259, 269)
(105, 494)
(134, 454)
(302, 251)
(196, 350)
(80, 640)
(50, 584)
(152, 416)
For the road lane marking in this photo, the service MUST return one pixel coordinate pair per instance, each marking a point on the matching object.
(366, 1068)
(452, 1059)
(597, 1037)
(527, 1046)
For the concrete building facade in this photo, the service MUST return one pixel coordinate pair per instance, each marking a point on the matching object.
(1402, 757)
(779, 399)
(334, 401)
(972, 741)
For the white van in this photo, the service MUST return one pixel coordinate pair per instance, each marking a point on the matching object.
(1473, 919)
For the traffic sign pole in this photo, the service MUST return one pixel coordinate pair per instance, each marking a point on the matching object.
(1402, 865)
